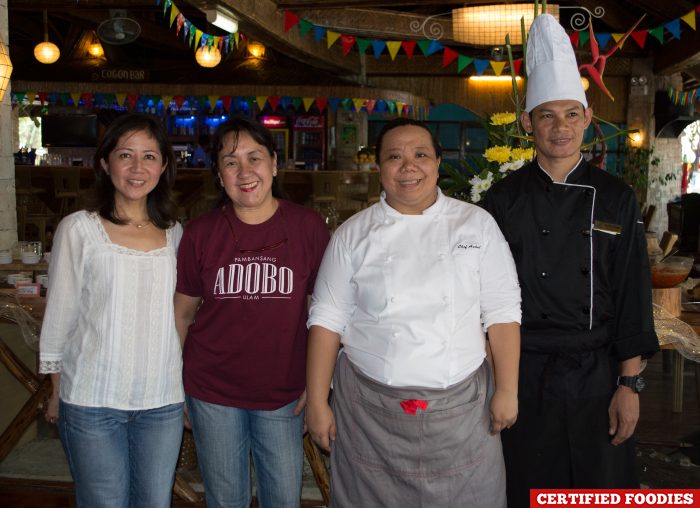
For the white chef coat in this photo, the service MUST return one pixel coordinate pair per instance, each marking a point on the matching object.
(408, 294)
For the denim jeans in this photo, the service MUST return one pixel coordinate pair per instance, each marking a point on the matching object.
(121, 459)
(224, 437)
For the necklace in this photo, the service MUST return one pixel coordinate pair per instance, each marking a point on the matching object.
(140, 225)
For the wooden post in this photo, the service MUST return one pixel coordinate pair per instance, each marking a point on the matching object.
(323, 479)
(184, 491)
(678, 364)
(669, 299)
(17, 368)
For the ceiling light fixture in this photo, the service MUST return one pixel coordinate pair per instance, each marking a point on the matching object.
(5, 68)
(585, 83)
(494, 78)
(46, 52)
(256, 49)
(208, 57)
(96, 49)
(224, 20)
(487, 25)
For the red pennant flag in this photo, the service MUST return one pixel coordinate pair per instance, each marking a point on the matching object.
(274, 100)
(574, 39)
(698, 8)
(516, 65)
(133, 99)
(226, 100)
(87, 99)
(347, 41)
(221, 44)
(180, 21)
(449, 56)
(408, 47)
(640, 37)
(43, 96)
(369, 104)
(179, 99)
(321, 103)
(290, 20)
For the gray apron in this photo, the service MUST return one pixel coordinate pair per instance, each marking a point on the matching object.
(444, 456)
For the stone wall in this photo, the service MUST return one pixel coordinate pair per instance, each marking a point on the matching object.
(8, 214)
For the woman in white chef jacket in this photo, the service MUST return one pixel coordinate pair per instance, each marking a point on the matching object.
(409, 286)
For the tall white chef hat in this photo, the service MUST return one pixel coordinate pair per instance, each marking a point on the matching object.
(552, 71)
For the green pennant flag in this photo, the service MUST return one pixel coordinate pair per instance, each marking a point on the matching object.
(202, 99)
(424, 45)
(392, 106)
(347, 104)
(249, 101)
(462, 62)
(65, 97)
(658, 33)
(297, 102)
(20, 96)
(166, 5)
(210, 43)
(304, 27)
(192, 32)
(156, 100)
(583, 37)
(109, 98)
(363, 44)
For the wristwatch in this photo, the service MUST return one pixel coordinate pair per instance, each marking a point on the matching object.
(634, 382)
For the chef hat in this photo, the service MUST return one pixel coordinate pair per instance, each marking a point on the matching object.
(552, 72)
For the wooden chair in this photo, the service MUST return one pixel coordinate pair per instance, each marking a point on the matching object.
(325, 188)
(67, 186)
(668, 240)
(23, 185)
(648, 216)
(374, 189)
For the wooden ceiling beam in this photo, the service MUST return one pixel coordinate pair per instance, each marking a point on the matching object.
(666, 11)
(617, 17)
(264, 22)
(678, 55)
(342, 4)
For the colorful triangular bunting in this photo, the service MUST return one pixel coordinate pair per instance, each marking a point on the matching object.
(378, 47)
(448, 57)
(362, 45)
(640, 36)
(304, 27)
(274, 100)
(617, 37)
(393, 47)
(321, 103)
(348, 42)
(498, 67)
(434, 47)
(690, 19)
(358, 103)
(481, 66)
(574, 38)
(424, 45)
(516, 65)
(334, 101)
(603, 39)
(408, 47)
(319, 32)
(331, 37)
(369, 104)
(674, 27)
(462, 62)
(308, 102)
(658, 32)
(297, 101)
(290, 19)
(583, 37)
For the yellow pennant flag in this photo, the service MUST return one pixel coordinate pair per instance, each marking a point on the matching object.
(261, 100)
(690, 19)
(393, 48)
(121, 97)
(308, 101)
(236, 36)
(498, 67)
(332, 37)
(174, 11)
(216, 41)
(212, 100)
(30, 97)
(76, 98)
(166, 100)
(399, 107)
(197, 38)
(358, 104)
(617, 38)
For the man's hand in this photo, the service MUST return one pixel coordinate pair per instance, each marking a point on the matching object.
(321, 423)
(624, 413)
(503, 410)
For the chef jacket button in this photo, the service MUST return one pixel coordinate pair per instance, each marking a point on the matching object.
(438, 217)
(586, 310)
(543, 275)
(586, 232)
(386, 221)
(548, 188)
(388, 258)
(545, 232)
(395, 334)
(584, 271)
(388, 382)
(442, 256)
(393, 299)
(447, 299)
(543, 315)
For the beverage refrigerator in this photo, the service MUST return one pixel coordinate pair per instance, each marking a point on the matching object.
(277, 125)
(309, 136)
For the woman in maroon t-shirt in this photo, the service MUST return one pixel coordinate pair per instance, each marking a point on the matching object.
(250, 263)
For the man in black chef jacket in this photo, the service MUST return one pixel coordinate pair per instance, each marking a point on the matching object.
(577, 237)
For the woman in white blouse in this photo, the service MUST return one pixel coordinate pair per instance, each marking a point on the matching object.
(108, 338)
(409, 286)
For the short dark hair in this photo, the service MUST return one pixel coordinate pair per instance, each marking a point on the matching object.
(235, 126)
(204, 139)
(404, 122)
(161, 205)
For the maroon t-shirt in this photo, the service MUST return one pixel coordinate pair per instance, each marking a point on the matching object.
(247, 345)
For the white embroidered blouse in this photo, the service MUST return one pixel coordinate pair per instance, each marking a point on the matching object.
(109, 326)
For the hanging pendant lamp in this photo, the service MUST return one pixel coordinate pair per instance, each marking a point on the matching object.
(5, 68)
(46, 52)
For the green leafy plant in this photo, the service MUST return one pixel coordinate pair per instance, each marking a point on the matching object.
(635, 171)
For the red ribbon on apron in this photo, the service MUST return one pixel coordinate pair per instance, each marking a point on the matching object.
(410, 406)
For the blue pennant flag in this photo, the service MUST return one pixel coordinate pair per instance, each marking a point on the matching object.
(434, 47)
(186, 25)
(99, 99)
(381, 105)
(191, 101)
(334, 102)
(481, 66)
(144, 99)
(285, 101)
(236, 102)
(319, 32)
(53, 98)
(203, 40)
(674, 27)
(602, 39)
(378, 47)
(226, 39)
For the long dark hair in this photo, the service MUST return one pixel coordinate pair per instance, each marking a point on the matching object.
(235, 126)
(403, 122)
(161, 205)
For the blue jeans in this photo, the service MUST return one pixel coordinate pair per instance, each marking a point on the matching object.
(121, 459)
(224, 437)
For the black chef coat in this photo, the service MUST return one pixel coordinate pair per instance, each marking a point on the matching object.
(586, 307)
